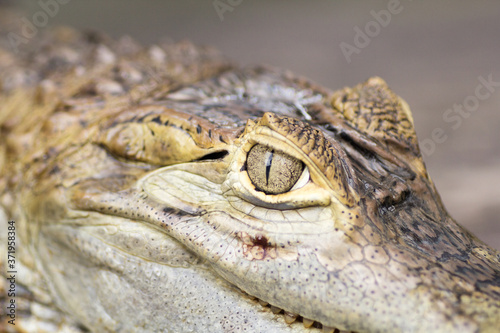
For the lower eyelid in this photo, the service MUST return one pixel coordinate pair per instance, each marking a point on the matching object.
(303, 180)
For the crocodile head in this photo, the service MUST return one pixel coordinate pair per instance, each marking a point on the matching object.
(184, 211)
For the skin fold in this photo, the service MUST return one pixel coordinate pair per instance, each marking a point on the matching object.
(164, 189)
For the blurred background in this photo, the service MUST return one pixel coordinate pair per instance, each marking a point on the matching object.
(442, 57)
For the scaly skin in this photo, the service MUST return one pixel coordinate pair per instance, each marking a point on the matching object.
(126, 172)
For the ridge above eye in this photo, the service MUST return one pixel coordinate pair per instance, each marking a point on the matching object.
(272, 171)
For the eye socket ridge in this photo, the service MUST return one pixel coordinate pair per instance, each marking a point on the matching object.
(272, 171)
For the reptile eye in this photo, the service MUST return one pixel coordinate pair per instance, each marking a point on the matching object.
(272, 171)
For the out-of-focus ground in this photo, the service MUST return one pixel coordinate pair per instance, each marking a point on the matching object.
(432, 53)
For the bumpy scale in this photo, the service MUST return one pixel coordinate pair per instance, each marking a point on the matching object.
(162, 189)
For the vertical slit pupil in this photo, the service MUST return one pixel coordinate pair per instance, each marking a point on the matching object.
(269, 161)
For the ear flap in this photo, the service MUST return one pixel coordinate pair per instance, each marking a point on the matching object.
(372, 108)
(375, 112)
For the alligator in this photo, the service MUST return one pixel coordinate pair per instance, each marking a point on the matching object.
(166, 189)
